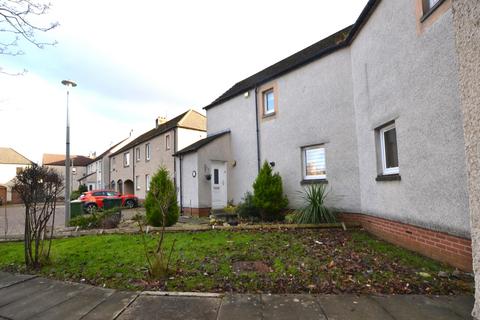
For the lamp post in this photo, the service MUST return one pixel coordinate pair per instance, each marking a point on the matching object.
(69, 84)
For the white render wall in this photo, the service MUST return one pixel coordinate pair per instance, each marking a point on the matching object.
(188, 136)
(7, 174)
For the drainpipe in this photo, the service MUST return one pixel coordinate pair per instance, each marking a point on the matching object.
(181, 185)
(258, 129)
(133, 159)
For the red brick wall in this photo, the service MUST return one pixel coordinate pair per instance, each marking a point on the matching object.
(440, 246)
(196, 212)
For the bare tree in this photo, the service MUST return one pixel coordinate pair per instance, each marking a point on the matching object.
(20, 21)
(38, 188)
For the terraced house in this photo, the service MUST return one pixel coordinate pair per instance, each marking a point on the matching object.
(132, 166)
(372, 110)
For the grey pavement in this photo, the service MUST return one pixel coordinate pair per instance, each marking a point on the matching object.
(14, 223)
(31, 297)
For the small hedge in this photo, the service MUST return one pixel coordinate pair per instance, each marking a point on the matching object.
(107, 219)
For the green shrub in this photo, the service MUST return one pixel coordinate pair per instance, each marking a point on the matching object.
(75, 195)
(268, 194)
(85, 221)
(162, 198)
(246, 208)
(82, 188)
(106, 219)
(315, 211)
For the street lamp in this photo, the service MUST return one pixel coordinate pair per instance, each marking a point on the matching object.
(69, 84)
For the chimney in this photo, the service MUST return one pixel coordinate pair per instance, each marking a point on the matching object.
(159, 121)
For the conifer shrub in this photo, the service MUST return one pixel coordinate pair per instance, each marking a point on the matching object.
(162, 200)
(268, 194)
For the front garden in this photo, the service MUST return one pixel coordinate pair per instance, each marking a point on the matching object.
(300, 261)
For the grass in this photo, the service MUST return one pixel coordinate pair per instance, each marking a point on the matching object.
(329, 261)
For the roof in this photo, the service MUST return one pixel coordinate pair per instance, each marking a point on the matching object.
(108, 150)
(59, 160)
(200, 143)
(10, 156)
(190, 119)
(86, 176)
(336, 41)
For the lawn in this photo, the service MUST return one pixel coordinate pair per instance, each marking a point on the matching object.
(301, 261)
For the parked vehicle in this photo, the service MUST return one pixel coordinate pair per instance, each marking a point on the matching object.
(92, 200)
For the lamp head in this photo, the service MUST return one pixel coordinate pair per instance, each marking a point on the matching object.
(69, 83)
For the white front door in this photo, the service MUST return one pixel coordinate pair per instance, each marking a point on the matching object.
(219, 184)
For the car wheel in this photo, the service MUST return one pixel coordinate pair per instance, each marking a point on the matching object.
(129, 204)
(91, 208)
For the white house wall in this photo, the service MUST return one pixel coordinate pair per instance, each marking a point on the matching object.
(186, 137)
(399, 74)
(190, 190)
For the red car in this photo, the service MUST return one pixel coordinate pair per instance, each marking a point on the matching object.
(93, 200)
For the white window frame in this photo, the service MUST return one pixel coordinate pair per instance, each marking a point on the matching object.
(137, 154)
(167, 142)
(147, 182)
(137, 182)
(385, 170)
(147, 152)
(304, 163)
(265, 102)
(126, 159)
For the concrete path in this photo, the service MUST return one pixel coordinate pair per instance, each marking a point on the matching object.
(30, 297)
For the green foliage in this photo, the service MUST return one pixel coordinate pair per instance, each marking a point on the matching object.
(77, 193)
(246, 208)
(106, 219)
(315, 211)
(268, 193)
(162, 198)
(82, 188)
(230, 209)
(290, 218)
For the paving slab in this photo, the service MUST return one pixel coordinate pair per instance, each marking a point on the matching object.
(241, 307)
(111, 306)
(406, 307)
(169, 307)
(22, 290)
(8, 279)
(291, 306)
(77, 306)
(352, 307)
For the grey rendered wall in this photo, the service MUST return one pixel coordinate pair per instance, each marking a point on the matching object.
(411, 78)
(466, 15)
(190, 191)
(119, 171)
(315, 106)
(238, 115)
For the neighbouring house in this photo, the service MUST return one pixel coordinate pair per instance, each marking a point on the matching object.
(98, 171)
(133, 165)
(78, 167)
(372, 110)
(11, 163)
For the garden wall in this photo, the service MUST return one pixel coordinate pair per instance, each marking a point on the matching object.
(455, 251)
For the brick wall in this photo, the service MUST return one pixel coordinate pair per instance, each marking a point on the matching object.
(196, 212)
(440, 246)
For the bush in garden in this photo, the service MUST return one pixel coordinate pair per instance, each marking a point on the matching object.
(268, 194)
(315, 211)
(161, 201)
(246, 208)
(107, 219)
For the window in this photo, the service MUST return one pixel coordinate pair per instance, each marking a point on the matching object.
(137, 182)
(388, 149)
(113, 161)
(147, 182)
(126, 159)
(268, 102)
(314, 164)
(429, 5)
(147, 151)
(137, 154)
(215, 176)
(167, 142)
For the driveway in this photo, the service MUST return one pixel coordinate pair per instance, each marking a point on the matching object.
(12, 219)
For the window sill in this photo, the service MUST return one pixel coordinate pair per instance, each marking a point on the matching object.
(432, 9)
(268, 115)
(388, 177)
(313, 181)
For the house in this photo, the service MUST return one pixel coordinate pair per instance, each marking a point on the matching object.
(98, 171)
(79, 166)
(133, 165)
(11, 163)
(372, 110)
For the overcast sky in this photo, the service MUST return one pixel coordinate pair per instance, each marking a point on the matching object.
(136, 60)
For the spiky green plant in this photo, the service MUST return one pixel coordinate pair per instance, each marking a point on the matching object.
(315, 211)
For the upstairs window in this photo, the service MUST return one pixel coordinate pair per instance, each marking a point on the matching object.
(430, 5)
(268, 102)
(137, 154)
(167, 142)
(147, 151)
(314, 164)
(126, 159)
(137, 182)
(147, 182)
(388, 149)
